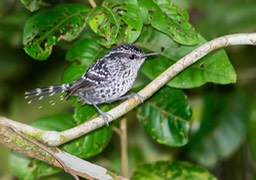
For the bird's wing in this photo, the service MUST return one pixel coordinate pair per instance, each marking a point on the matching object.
(95, 75)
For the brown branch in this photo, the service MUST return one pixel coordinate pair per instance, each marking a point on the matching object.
(48, 150)
(12, 138)
(124, 152)
(92, 3)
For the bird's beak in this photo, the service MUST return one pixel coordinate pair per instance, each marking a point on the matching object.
(149, 55)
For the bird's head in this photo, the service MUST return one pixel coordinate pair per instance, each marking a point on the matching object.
(130, 55)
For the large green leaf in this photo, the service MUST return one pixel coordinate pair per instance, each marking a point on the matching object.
(130, 18)
(86, 51)
(222, 130)
(74, 72)
(43, 30)
(92, 143)
(58, 122)
(84, 54)
(104, 23)
(174, 170)
(169, 19)
(85, 146)
(116, 21)
(214, 68)
(252, 127)
(27, 168)
(166, 117)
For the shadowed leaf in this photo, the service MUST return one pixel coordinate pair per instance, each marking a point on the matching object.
(166, 116)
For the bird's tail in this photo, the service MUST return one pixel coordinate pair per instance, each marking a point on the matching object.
(41, 93)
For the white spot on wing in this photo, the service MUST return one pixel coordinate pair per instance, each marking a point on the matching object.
(38, 91)
(50, 88)
(52, 94)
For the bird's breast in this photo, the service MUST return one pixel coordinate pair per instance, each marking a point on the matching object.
(117, 86)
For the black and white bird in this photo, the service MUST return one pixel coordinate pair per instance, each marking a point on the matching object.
(107, 80)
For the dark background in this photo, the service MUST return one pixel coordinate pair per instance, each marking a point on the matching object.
(18, 73)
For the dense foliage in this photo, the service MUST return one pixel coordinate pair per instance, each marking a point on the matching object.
(162, 129)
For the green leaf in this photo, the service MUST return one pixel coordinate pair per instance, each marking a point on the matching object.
(104, 23)
(89, 145)
(92, 143)
(116, 21)
(20, 165)
(34, 5)
(130, 18)
(166, 117)
(84, 54)
(222, 130)
(74, 72)
(251, 128)
(174, 170)
(43, 30)
(214, 68)
(86, 51)
(169, 19)
(28, 168)
(58, 122)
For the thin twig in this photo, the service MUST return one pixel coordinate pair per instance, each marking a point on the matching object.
(92, 3)
(46, 149)
(124, 152)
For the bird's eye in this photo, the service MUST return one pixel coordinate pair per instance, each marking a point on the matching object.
(132, 56)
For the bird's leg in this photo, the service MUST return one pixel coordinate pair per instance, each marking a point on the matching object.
(132, 95)
(102, 113)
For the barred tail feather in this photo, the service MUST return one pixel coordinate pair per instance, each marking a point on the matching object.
(41, 93)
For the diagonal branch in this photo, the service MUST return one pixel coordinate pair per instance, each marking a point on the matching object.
(49, 151)
(14, 139)
(54, 138)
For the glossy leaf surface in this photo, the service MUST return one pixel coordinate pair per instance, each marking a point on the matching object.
(166, 116)
(174, 170)
(214, 68)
